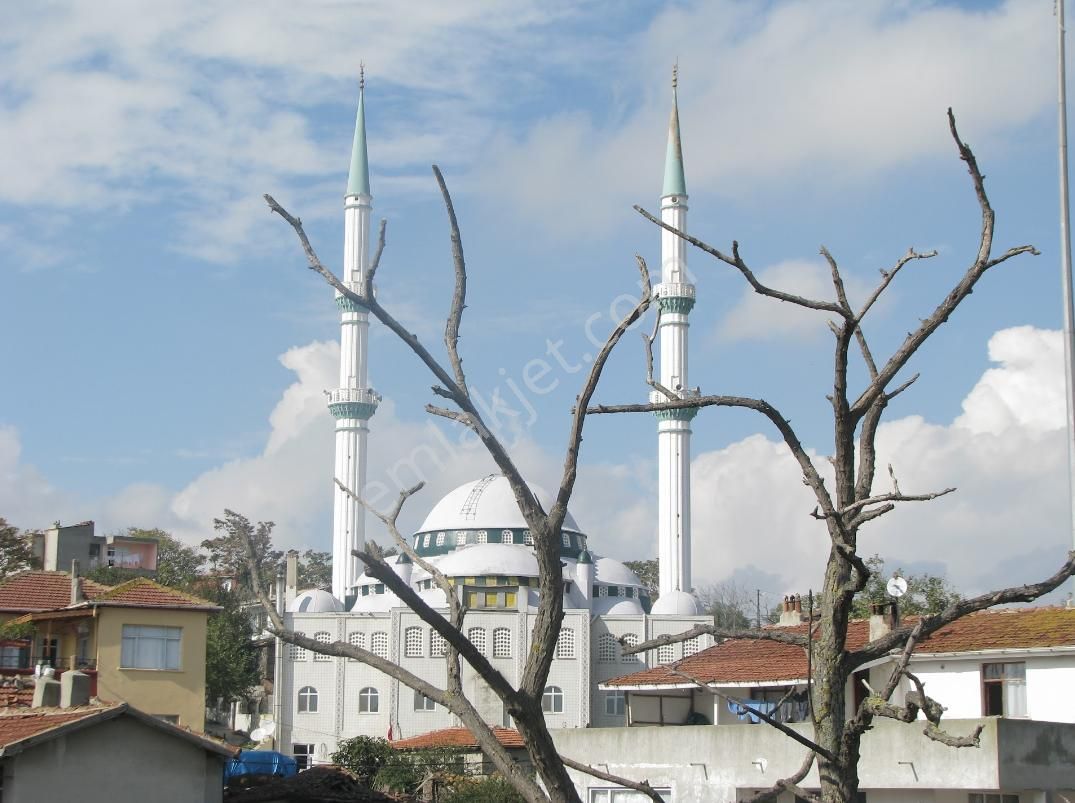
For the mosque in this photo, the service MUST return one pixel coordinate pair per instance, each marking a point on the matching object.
(476, 536)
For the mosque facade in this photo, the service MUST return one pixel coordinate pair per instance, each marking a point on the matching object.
(476, 536)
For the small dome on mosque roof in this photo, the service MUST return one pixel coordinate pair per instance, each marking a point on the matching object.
(676, 603)
(314, 600)
(484, 504)
(608, 571)
(489, 559)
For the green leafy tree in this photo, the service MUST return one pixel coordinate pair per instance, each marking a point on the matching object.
(231, 657)
(648, 572)
(404, 771)
(926, 593)
(227, 553)
(364, 756)
(493, 789)
(16, 549)
(315, 570)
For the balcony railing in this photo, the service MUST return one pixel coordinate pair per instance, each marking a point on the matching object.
(674, 290)
(658, 397)
(361, 395)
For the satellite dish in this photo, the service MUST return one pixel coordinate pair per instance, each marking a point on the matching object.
(260, 733)
(896, 587)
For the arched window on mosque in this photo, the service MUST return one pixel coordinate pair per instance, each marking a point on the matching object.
(607, 649)
(369, 701)
(356, 640)
(476, 636)
(307, 700)
(565, 644)
(322, 638)
(502, 642)
(379, 644)
(630, 640)
(552, 701)
(412, 642)
(297, 653)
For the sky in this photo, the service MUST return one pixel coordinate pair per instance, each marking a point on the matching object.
(165, 350)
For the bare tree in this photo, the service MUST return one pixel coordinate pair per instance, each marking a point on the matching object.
(854, 502)
(522, 703)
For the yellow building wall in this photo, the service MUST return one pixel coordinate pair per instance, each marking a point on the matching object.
(155, 691)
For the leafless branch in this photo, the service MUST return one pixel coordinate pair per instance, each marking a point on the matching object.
(750, 634)
(459, 294)
(647, 341)
(638, 786)
(736, 262)
(367, 287)
(887, 276)
(451, 415)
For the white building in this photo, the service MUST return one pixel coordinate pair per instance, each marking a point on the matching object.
(477, 536)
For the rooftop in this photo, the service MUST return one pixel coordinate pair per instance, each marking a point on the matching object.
(36, 590)
(457, 737)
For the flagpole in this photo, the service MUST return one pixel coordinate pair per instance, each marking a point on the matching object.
(1065, 261)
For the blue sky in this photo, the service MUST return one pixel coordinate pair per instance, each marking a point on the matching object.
(165, 349)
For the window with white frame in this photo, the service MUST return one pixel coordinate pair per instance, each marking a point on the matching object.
(423, 703)
(303, 755)
(379, 644)
(552, 701)
(630, 640)
(307, 700)
(483, 536)
(615, 703)
(1004, 689)
(565, 643)
(621, 795)
(438, 647)
(356, 640)
(369, 701)
(692, 645)
(297, 653)
(607, 649)
(322, 638)
(476, 636)
(666, 653)
(460, 537)
(982, 797)
(565, 539)
(412, 642)
(146, 647)
(440, 539)
(506, 537)
(426, 540)
(528, 538)
(501, 642)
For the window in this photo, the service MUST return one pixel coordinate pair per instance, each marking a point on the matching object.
(369, 701)
(438, 647)
(322, 638)
(147, 647)
(501, 643)
(307, 700)
(357, 640)
(692, 645)
(506, 537)
(440, 539)
(552, 701)
(297, 653)
(423, 703)
(666, 653)
(412, 642)
(620, 795)
(379, 644)
(979, 797)
(528, 538)
(630, 640)
(460, 537)
(47, 650)
(304, 755)
(602, 591)
(1004, 689)
(425, 543)
(615, 703)
(476, 636)
(483, 536)
(607, 649)
(565, 539)
(565, 644)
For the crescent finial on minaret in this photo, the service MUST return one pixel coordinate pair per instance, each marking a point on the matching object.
(362, 76)
(675, 73)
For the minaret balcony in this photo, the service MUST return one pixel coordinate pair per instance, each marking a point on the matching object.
(347, 304)
(675, 297)
(680, 414)
(358, 403)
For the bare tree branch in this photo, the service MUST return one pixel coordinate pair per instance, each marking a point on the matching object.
(638, 786)
(451, 415)
(459, 294)
(367, 287)
(750, 634)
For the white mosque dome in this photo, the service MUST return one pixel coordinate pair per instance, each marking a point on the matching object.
(489, 559)
(612, 606)
(614, 573)
(484, 504)
(314, 600)
(676, 603)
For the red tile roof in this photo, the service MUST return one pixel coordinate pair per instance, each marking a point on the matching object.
(42, 591)
(24, 724)
(145, 593)
(457, 737)
(755, 661)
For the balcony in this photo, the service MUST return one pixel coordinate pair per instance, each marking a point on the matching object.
(657, 397)
(674, 290)
(353, 403)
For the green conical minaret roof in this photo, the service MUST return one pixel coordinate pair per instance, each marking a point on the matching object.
(358, 179)
(674, 183)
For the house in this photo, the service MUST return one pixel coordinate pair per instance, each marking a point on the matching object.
(56, 547)
(462, 742)
(106, 752)
(140, 642)
(1007, 670)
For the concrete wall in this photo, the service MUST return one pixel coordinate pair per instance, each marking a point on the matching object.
(156, 691)
(122, 759)
(899, 765)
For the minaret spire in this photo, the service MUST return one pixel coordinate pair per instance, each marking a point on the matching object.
(353, 403)
(675, 298)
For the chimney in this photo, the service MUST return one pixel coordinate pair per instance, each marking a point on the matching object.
(74, 689)
(292, 580)
(280, 586)
(883, 617)
(791, 611)
(46, 692)
(76, 585)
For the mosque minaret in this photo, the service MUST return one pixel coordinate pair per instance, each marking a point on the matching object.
(675, 297)
(353, 403)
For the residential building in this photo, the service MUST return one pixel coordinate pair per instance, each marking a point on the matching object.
(140, 642)
(1009, 670)
(56, 547)
(105, 753)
